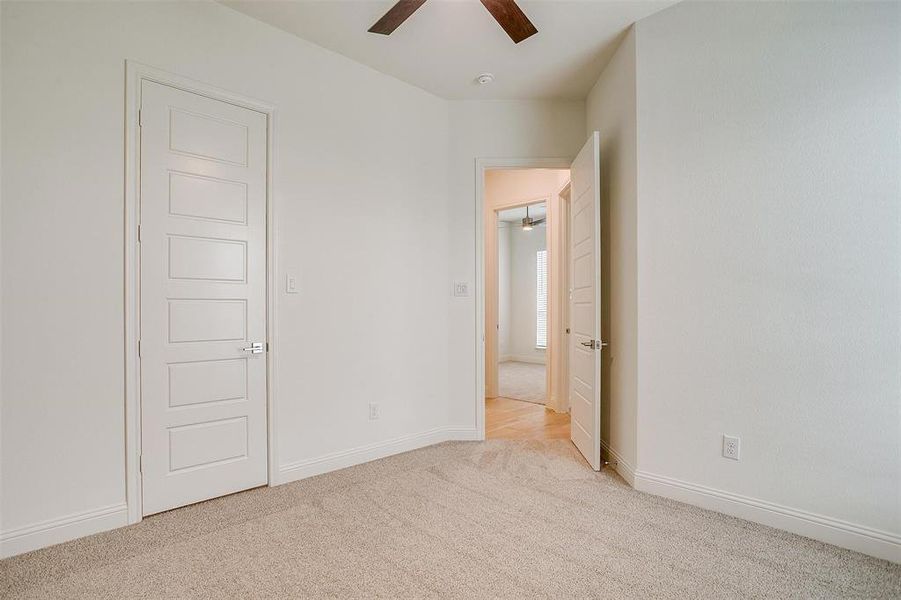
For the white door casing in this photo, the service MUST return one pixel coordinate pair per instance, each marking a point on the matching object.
(585, 302)
(203, 177)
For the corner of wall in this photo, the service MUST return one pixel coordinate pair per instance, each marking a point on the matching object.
(611, 111)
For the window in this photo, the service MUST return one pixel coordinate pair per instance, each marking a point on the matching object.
(541, 300)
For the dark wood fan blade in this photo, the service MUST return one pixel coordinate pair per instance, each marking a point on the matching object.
(398, 13)
(511, 18)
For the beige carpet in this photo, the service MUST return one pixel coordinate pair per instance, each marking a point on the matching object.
(460, 520)
(522, 381)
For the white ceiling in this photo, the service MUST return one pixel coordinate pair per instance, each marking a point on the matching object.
(445, 44)
(515, 215)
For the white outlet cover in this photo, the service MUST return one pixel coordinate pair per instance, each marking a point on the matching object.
(373, 411)
(290, 284)
(461, 289)
(731, 447)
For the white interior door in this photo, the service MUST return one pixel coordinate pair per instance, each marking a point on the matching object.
(585, 303)
(202, 299)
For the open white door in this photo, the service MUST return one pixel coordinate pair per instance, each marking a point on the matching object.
(585, 303)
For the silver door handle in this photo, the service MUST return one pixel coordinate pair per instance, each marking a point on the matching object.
(255, 348)
(595, 344)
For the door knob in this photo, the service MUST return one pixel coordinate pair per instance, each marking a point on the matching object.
(255, 348)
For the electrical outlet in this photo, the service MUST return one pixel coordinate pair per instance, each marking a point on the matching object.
(374, 410)
(290, 284)
(731, 447)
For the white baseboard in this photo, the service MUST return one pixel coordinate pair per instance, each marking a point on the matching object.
(881, 544)
(625, 470)
(464, 435)
(535, 360)
(56, 531)
(363, 454)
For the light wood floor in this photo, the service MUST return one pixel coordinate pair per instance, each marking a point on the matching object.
(508, 419)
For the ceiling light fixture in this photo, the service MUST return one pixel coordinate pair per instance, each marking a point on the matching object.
(484, 78)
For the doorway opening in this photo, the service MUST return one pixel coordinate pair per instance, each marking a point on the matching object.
(526, 293)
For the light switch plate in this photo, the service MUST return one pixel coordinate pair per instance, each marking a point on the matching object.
(290, 284)
(461, 289)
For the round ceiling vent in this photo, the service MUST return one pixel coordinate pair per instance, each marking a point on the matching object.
(485, 78)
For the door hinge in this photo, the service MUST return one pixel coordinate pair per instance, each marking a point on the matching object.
(140, 463)
(139, 348)
(139, 234)
(140, 118)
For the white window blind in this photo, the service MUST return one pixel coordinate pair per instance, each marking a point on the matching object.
(541, 300)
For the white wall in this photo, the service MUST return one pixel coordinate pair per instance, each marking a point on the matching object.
(491, 129)
(373, 276)
(1, 275)
(610, 109)
(504, 287)
(524, 289)
(769, 260)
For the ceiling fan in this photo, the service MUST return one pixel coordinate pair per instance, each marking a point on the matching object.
(528, 222)
(505, 12)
